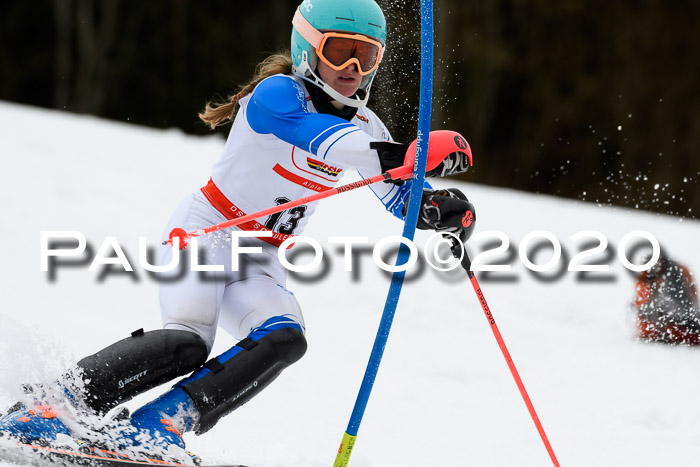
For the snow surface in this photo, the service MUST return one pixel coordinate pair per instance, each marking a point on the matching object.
(444, 395)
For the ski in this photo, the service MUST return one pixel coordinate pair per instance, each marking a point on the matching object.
(23, 454)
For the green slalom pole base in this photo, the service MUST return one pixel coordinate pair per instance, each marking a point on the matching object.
(345, 450)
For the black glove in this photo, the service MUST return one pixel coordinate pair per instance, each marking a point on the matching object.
(446, 211)
(391, 155)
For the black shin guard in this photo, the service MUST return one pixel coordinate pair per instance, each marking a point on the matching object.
(139, 363)
(229, 385)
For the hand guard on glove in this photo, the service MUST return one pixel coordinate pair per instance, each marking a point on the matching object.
(447, 211)
(453, 164)
(392, 155)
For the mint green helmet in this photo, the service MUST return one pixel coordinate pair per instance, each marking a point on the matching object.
(351, 16)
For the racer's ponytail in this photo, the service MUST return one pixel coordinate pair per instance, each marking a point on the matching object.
(216, 113)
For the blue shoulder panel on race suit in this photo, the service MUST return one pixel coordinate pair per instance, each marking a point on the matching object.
(278, 107)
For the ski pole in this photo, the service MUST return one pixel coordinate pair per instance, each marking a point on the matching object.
(399, 173)
(426, 88)
(466, 264)
(446, 143)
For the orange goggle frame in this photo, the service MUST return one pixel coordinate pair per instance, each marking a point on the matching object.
(338, 49)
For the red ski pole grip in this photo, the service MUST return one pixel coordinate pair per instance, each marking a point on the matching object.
(180, 234)
(442, 143)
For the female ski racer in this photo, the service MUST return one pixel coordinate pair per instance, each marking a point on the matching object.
(301, 123)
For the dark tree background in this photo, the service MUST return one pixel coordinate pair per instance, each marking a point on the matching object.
(593, 100)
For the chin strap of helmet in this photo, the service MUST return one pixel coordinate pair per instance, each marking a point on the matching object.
(324, 103)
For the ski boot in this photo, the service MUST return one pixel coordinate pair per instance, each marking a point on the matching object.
(37, 425)
(151, 431)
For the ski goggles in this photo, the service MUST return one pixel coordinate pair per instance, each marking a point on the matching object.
(339, 49)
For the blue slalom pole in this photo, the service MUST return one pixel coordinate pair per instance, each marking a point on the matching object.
(409, 230)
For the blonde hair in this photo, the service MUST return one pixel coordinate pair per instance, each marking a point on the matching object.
(216, 113)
